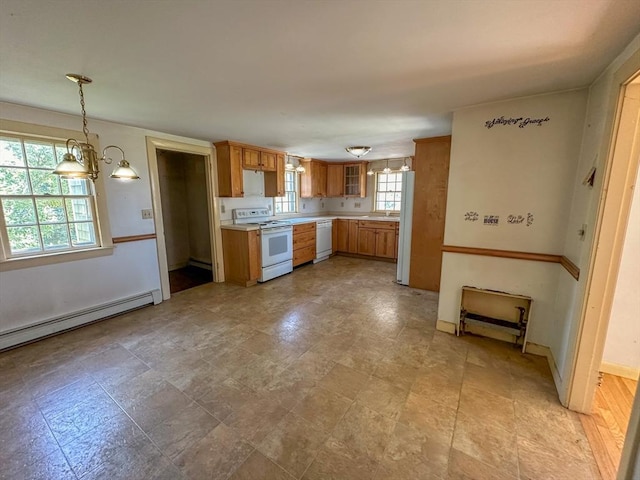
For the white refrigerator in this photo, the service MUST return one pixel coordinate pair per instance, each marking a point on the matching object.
(406, 216)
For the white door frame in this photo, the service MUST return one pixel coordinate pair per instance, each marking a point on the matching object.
(622, 153)
(153, 144)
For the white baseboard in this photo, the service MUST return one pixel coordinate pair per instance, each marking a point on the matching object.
(620, 370)
(543, 351)
(38, 330)
(448, 327)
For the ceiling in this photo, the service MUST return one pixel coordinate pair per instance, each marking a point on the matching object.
(307, 77)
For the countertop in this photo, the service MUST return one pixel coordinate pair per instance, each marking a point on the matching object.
(301, 220)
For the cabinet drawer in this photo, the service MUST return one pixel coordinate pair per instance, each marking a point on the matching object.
(306, 239)
(376, 224)
(303, 255)
(304, 228)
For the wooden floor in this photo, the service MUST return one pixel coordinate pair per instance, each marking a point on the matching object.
(607, 426)
(188, 277)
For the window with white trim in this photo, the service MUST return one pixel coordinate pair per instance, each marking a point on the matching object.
(44, 218)
(388, 191)
(289, 202)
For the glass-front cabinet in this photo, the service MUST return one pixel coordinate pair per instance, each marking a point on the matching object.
(355, 180)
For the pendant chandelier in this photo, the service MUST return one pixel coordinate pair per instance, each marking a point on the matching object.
(84, 162)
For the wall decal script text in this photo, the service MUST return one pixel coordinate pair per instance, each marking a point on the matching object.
(521, 122)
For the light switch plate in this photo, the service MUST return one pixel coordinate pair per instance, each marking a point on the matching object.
(147, 213)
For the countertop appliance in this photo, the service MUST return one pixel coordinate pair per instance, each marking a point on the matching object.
(406, 219)
(323, 240)
(276, 241)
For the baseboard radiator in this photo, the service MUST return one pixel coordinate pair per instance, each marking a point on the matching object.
(19, 336)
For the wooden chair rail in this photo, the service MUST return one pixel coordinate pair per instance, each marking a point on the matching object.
(568, 265)
(133, 238)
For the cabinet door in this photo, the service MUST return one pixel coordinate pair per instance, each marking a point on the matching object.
(229, 161)
(274, 181)
(386, 243)
(395, 254)
(268, 161)
(355, 180)
(250, 159)
(342, 235)
(236, 172)
(320, 180)
(335, 180)
(253, 241)
(353, 236)
(367, 241)
(306, 180)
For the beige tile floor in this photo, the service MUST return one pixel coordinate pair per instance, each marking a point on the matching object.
(333, 371)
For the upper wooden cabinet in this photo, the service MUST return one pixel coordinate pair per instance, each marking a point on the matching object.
(347, 179)
(355, 179)
(268, 161)
(250, 159)
(233, 157)
(335, 180)
(229, 158)
(313, 181)
(274, 180)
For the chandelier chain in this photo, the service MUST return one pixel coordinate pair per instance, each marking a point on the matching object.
(85, 128)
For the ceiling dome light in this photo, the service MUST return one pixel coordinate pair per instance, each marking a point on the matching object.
(358, 151)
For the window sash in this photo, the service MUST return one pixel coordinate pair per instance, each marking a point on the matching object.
(388, 195)
(288, 203)
(62, 215)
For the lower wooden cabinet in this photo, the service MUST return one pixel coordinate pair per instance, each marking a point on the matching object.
(377, 238)
(241, 250)
(304, 243)
(373, 238)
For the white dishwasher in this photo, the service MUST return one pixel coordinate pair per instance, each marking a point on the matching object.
(323, 240)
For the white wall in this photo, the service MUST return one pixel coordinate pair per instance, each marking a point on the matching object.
(197, 209)
(175, 219)
(622, 347)
(584, 208)
(306, 206)
(507, 170)
(32, 295)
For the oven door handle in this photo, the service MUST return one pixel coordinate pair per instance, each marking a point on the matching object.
(274, 230)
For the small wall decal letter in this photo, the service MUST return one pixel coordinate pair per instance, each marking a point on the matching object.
(471, 217)
(491, 220)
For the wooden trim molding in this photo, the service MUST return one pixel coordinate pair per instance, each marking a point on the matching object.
(432, 139)
(568, 265)
(134, 238)
(490, 252)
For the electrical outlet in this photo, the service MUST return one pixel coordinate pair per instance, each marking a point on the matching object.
(269, 207)
(147, 213)
(223, 208)
(356, 205)
(321, 204)
(304, 206)
(342, 204)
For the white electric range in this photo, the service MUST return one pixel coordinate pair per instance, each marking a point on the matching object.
(276, 241)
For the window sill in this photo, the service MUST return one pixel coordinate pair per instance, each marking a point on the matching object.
(53, 258)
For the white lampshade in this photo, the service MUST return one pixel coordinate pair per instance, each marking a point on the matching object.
(69, 167)
(358, 151)
(124, 171)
